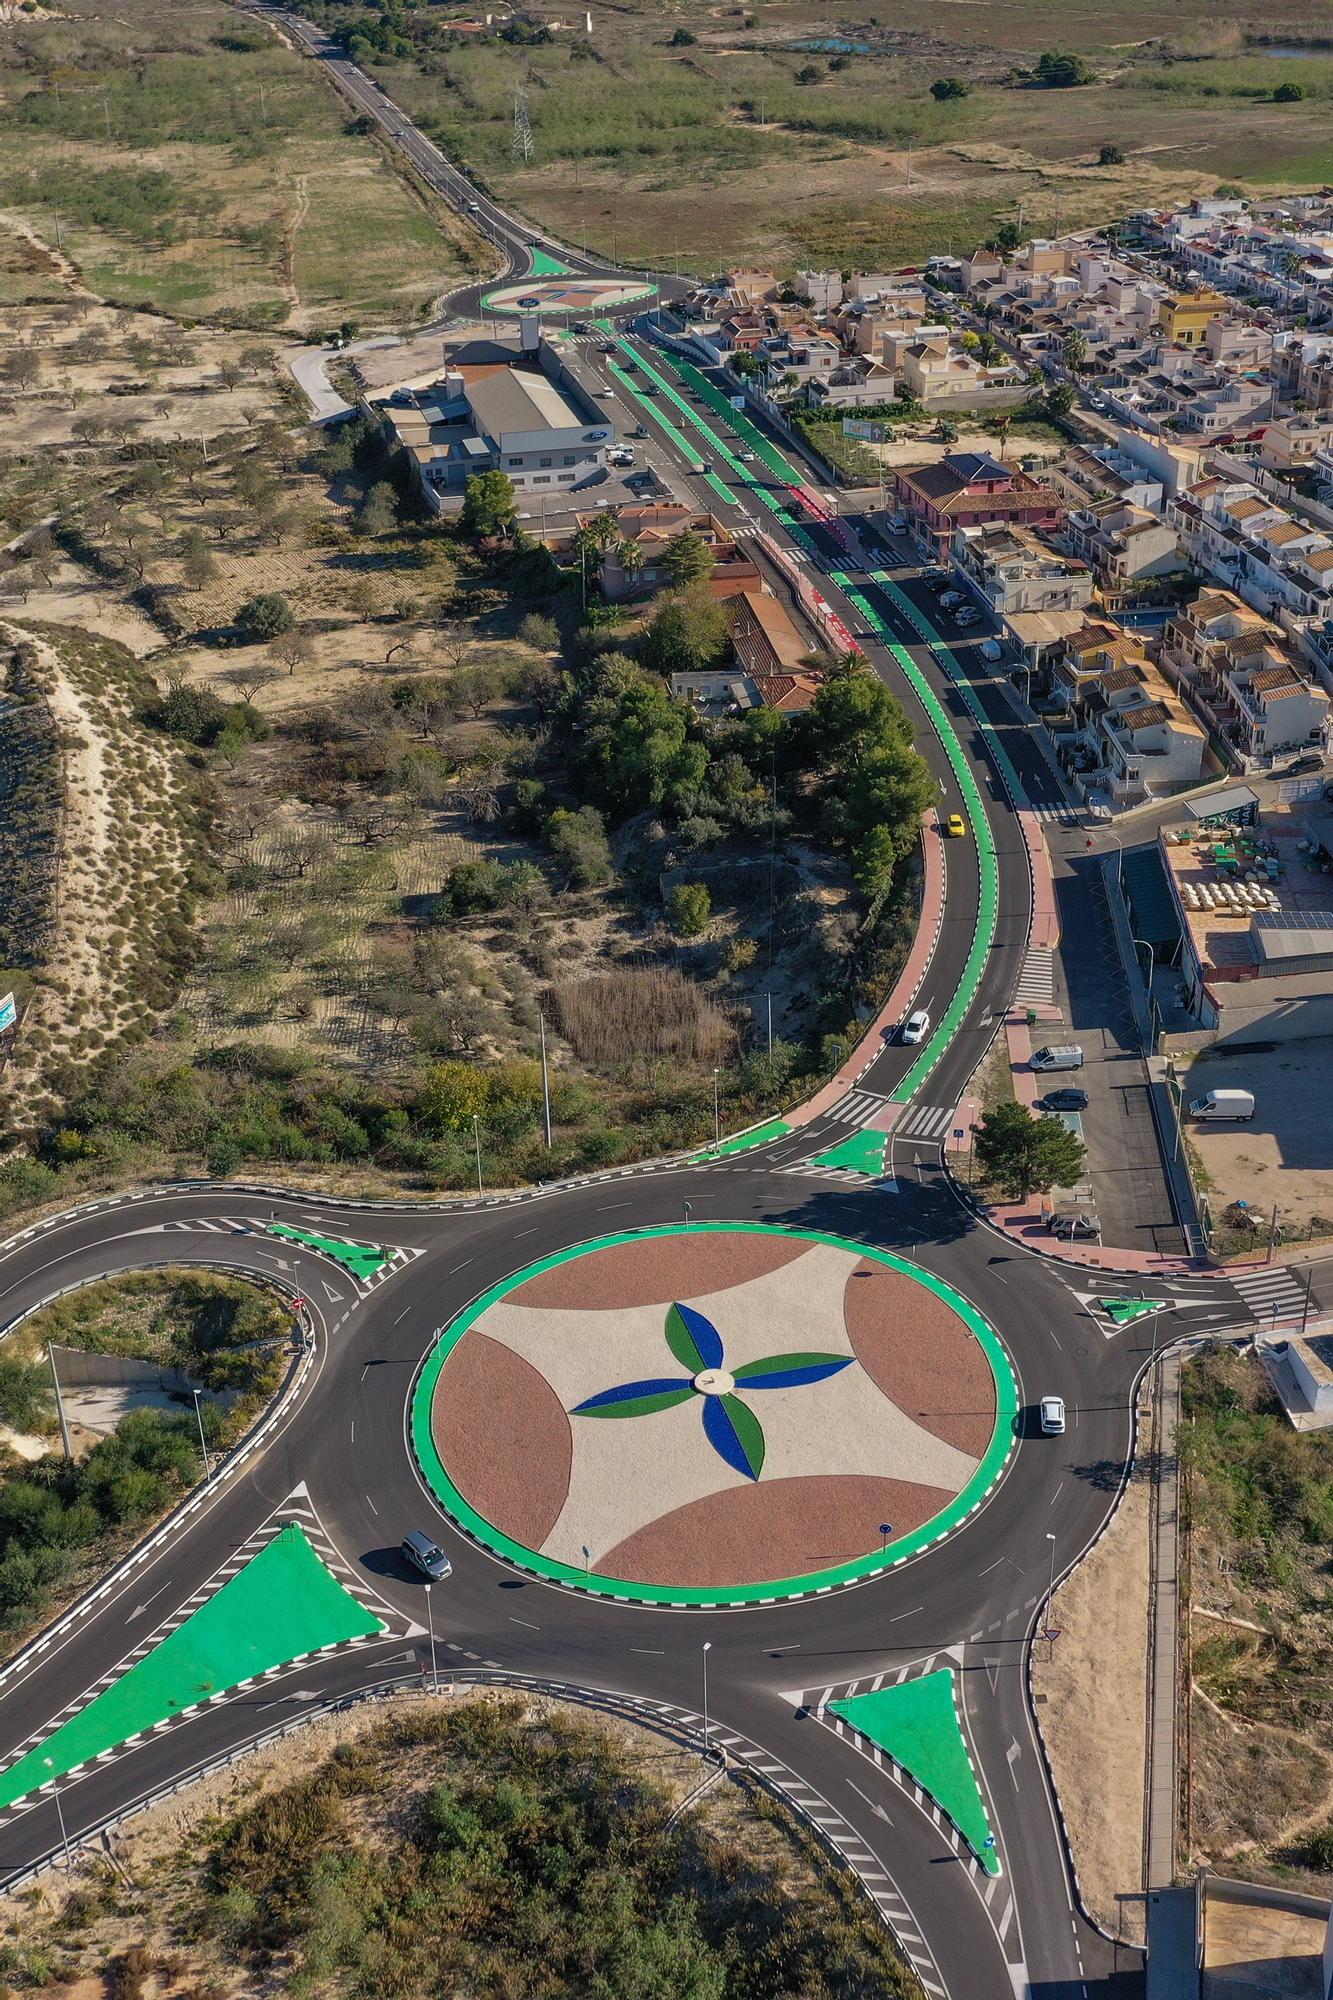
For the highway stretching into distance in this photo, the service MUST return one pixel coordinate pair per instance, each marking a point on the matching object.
(973, 1602)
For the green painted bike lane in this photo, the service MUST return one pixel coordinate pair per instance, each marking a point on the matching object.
(917, 1724)
(437, 1476)
(282, 1605)
(988, 907)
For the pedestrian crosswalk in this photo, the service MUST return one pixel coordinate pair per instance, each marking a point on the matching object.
(927, 1121)
(858, 1107)
(849, 1176)
(1036, 982)
(1275, 1287)
(1063, 815)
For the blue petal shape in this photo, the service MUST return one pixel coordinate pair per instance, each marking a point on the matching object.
(793, 1378)
(625, 1392)
(706, 1336)
(721, 1434)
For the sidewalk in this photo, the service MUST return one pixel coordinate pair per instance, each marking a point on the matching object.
(1165, 1620)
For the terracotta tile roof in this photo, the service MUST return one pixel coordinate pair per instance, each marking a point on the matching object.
(1276, 681)
(1121, 678)
(1151, 713)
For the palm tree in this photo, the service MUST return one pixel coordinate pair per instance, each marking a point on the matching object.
(631, 559)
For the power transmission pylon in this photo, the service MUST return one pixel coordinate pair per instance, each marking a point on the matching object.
(522, 129)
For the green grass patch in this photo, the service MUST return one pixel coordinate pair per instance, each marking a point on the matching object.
(362, 1260)
(917, 1723)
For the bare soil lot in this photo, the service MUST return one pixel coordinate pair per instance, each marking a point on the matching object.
(1282, 1154)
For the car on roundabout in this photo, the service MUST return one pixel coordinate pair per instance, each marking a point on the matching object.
(1052, 1416)
(425, 1554)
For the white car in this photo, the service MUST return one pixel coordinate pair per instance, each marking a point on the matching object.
(915, 1026)
(745, 457)
(966, 618)
(1052, 1416)
(991, 649)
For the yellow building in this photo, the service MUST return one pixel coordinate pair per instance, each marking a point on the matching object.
(1186, 319)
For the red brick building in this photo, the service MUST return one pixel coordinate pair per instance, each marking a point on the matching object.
(965, 489)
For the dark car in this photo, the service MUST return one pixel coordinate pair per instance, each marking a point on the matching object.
(1065, 1100)
(1313, 762)
(1072, 1226)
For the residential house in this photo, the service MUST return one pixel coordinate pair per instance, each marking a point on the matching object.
(1254, 546)
(966, 489)
(1125, 547)
(767, 640)
(1136, 739)
(1186, 316)
(651, 529)
(823, 289)
(1243, 678)
(1292, 444)
(943, 376)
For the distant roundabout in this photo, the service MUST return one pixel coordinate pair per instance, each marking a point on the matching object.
(722, 1415)
(582, 298)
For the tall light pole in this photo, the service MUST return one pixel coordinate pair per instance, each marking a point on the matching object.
(476, 1135)
(707, 1648)
(60, 1810)
(546, 1085)
(203, 1447)
(430, 1620)
(717, 1108)
(1050, 1595)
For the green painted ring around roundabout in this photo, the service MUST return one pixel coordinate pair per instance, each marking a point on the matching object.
(780, 1590)
(570, 296)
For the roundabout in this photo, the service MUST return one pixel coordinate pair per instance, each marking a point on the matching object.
(714, 1416)
(569, 295)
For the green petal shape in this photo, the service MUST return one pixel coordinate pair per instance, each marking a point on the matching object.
(748, 1429)
(682, 1342)
(639, 1406)
(773, 1362)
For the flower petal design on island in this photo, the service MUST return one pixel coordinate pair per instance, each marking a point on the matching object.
(636, 1399)
(790, 1371)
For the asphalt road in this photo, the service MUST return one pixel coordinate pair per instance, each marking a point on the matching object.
(972, 1602)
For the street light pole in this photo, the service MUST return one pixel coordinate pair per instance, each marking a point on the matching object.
(717, 1108)
(476, 1134)
(60, 1810)
(430, 1620)
(199, 1419)
(707, 1648)
(546, 1085)
(1050, 1595)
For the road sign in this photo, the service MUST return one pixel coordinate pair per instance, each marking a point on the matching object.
(9, 1012)
(958, 1132)
(737, 402)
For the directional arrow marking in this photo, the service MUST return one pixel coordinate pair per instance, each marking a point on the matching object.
(878, 1810)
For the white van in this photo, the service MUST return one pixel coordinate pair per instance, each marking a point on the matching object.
(1223, 1104)
(1069, 1057)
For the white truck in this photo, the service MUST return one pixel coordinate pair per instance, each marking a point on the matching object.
(1215, 1104)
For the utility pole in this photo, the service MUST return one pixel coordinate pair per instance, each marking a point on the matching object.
(707, 1649)
(60, 1407)
(717, 1108)
(546, 1081)
(476, 1134)
(1272, 1235)
(430, 1620)
(522, 146)
(1305, 1309)
(203, 1448)
(769, 998)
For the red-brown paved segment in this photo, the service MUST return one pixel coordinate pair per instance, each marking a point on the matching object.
(505, 1437)
(781, 1527)
(655, 1270)
(918, 1352)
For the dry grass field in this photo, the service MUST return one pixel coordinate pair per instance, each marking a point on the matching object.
(652, 148)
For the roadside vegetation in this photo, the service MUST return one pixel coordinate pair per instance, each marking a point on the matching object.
(1259, 1509)
(63, 1524)
(394, 796)
(187, 161)
(898, 138)
(484, 1846)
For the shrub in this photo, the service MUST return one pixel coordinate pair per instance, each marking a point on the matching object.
(1110, 156)
(1288, 93)
(690, 908)
(265, 616)
(946, 89)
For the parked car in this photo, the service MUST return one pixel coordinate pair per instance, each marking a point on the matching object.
(1052, 1416)
(991, 649)
(638, 431)
(915, 1026)
(1065, 1100)
(1076, 1226)
(948, 598)
(967, 616)
(426, 1555)
(1066, 1056)
(1312, 762)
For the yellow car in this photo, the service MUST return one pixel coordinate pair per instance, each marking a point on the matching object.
(956, 826)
